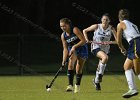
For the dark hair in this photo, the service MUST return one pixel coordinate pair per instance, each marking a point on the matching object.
(66, 20)
(106, 14)
(123, 14)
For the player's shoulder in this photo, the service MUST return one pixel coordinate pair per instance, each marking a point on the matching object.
(96, 25)
(121, 24)
(62, 34)
(75, 29)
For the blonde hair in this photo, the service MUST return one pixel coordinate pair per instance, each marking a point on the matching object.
(65, 20)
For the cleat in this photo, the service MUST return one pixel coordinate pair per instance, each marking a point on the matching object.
(69, 88)
(97, 85)
(77, 88)
(130, 93)
(100, 77)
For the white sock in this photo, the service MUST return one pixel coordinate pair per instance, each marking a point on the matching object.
(97, 77)
(101, 68)
(130, 78)
(139, 76)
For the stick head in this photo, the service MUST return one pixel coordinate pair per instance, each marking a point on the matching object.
(49, 90)
(47, 86)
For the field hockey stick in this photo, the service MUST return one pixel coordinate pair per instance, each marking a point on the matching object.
(57, 73)
(104, 43)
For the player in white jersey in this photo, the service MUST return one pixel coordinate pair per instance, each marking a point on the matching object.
(132, 35)
(102, 32)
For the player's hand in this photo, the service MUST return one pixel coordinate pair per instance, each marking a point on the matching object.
(105, 43)
(63, 63)
(123, 51)
(72, 51)
(87, 41)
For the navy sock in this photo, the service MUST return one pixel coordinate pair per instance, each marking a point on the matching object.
(78, 79)
(70, 75)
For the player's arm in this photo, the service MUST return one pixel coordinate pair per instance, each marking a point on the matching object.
(80, 36)
(89, 29)
(115, 35)
(65, 50)
(82, 41)
(120, 28)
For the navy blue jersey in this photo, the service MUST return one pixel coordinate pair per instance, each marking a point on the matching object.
(72, 39)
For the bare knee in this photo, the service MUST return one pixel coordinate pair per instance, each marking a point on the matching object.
(127, 66)
(103, 56)
(70, 68)
(79, 66)
(71, 65)
(104, 59)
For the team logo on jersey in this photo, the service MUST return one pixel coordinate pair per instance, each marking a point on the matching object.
(107, 34)
(72, 39)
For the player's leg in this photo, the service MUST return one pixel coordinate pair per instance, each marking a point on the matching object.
(103, 58)
(102, 63)
(82, 55)
(129, 73)
(79, 73)
(96, 80)
(136, 63)
(70, 72)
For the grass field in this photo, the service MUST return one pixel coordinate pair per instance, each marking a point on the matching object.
(33, 88)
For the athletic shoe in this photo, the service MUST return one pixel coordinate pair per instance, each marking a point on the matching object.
(77, 88)
(100, 77)
(130, 93)
(69, 88)
(97, 85)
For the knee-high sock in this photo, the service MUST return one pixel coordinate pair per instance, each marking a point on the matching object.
(130, 78)
(78, 79)
(97, 76)
(70, 75)
(101, 68)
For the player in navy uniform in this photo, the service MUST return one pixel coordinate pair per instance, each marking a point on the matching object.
(132, 35)
(74, 45)
(102, 33)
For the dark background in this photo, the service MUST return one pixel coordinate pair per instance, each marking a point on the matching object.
(38, 52)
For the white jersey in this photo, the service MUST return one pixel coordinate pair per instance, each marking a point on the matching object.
(131, 31)
(101, 35)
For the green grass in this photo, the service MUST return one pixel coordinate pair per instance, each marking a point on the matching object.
(33, 88)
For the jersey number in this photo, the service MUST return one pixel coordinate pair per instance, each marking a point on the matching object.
(136, 29)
